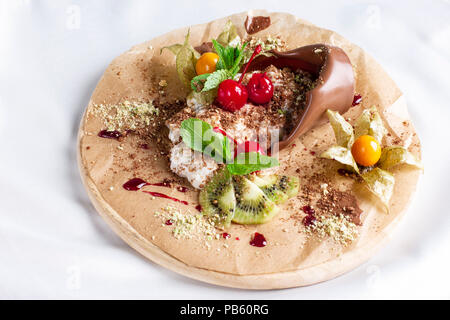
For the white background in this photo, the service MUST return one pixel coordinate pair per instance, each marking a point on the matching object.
(52, 53)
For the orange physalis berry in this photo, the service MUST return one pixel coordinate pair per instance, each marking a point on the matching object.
(366, 151)
(206, 63)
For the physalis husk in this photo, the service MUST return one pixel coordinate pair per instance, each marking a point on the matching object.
(379, 181)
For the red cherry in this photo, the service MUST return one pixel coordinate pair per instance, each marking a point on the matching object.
(260, 88)
(232, 95)
(249, 146)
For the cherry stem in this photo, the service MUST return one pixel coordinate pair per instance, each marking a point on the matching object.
(224, 133)
(255, 52)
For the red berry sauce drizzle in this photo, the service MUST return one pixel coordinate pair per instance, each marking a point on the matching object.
(258, 240)
(226, 235)
(162, 195)
(136, 184)
(310, 218)
(356, 100)
(109, 134)
(161, 184)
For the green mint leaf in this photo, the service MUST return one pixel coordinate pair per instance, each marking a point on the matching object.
(220, 65)
(239, 60)
(192, 132)
(249, 162)
(229, 53)
(200, 136)
(226, 56)
(215, 78)
(198, 82)
(220, 50)
(230, 58)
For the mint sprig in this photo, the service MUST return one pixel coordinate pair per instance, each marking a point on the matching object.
(229, 64)
(200, 136)
(198, 82)
(209, 81)
(230, 58)
(249, 162)
(216, 78)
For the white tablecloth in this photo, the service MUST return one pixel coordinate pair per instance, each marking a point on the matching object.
(52, 242)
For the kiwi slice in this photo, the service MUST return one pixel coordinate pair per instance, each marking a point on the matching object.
(217, 198)
(277, 188)
(252, 205)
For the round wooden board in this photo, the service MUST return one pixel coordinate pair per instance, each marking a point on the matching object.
(378, 226)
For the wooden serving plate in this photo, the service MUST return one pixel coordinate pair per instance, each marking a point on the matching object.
(291, 258)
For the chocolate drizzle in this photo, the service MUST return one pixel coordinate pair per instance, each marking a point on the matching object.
(256, 24)
(205, 47)
(335, 87)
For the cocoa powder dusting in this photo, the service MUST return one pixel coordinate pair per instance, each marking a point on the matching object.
(338, 202)
(319, 192)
